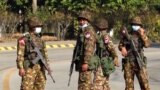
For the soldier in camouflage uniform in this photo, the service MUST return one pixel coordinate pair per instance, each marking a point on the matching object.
(33, 75)
(105, 48)
(130, 65)
(85, 48)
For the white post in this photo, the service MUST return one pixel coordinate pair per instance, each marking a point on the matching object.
(111, 32)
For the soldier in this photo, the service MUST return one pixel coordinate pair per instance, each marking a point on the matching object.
(30, 68)
(132, 49)
(106, 51)
(84, 50)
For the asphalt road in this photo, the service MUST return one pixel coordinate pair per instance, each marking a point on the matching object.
(60, 62)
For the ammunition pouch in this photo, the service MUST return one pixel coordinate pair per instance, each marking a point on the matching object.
(33, 57)
(94, 62)
(27, 64)
(107, 65)
(31, 60)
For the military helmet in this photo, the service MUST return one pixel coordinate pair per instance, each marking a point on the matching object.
(101, 23)
(136, 20)
(34, 22)
(85, 15)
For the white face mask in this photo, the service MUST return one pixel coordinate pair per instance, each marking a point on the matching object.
(135, 27)
(38, 30)
(83, 26)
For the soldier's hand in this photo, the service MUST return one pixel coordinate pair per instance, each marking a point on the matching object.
(50, 71)
(124, 52)
(21, 72)
(141, 31)
(84, 67)
(116, 63)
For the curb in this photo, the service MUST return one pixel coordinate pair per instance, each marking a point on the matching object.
(10, 48)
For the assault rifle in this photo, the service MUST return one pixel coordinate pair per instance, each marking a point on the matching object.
(139, 59)
(40, 57)
(72, 63)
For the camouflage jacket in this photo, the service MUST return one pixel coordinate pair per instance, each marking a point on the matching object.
(86, 42)
(24, 48)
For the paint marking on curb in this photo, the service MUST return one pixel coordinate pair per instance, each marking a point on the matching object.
(2, 49)
(10, 48)
(63, 46)
(6, 79)
(47, 46)
(54, 46)
(71, 45)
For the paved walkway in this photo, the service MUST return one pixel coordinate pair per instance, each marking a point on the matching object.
(8, 46)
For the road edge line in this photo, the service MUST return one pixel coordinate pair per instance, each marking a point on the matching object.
(6, 79)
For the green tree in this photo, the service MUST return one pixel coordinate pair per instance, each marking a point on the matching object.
(118, 12)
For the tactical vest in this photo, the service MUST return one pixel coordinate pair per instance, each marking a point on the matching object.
(30, 54)
(101, 49)
(138, 44)
(106, 61)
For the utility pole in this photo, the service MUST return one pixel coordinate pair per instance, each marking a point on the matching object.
(20, 21)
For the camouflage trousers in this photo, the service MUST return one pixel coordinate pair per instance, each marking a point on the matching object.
(100, 82)
(85, 80)
(34, 79)
(130, 70)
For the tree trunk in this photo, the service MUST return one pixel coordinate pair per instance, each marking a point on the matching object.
(34, 6)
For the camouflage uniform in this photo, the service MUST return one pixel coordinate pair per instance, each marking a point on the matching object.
(34, 78)
(101, 81)
(86, 43)
(129, 63)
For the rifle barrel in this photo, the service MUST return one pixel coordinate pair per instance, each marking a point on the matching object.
(42, 60)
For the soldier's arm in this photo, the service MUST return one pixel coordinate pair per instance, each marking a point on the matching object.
(112, 49)
(45, 53)
(110, 46)
(144, 38)
(121, 45)
(89, 44)
(20, 52)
